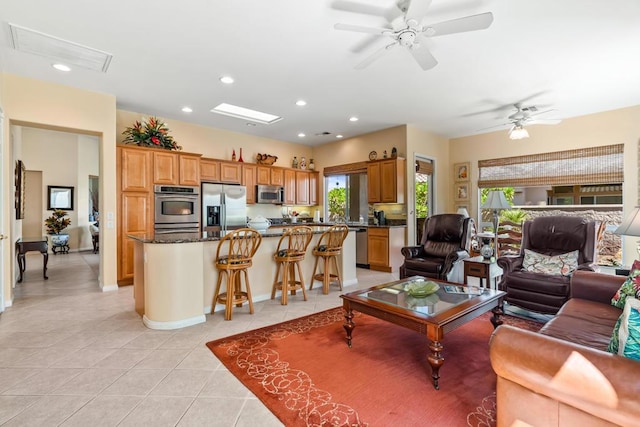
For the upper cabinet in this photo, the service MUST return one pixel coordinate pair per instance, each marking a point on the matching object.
(249, 176)
(313, 188)
(135, 166)
(289, 187)
(231, 172)
(385, 180)
(302, 188)
(171, 168)
(209, 170)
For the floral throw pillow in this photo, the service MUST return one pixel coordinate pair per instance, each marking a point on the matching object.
(563, 264)
(630, 287)
(625, 340)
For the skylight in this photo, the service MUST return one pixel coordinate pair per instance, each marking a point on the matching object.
(245, 114)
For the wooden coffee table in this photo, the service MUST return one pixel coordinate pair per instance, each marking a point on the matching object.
(433, 316)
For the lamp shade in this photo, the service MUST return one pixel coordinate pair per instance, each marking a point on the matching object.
(463, 212)
(496, 200)
(631, 224)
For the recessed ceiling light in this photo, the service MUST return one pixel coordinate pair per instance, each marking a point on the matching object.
(339, 136)
(301, 103)
(301, 135)
(187, 110)
(353, 119)
(61, 67)
(226, 80)
(245, 113)
(251, 124)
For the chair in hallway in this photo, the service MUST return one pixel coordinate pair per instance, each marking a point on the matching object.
(291, 250)
(233, 259)
(328, 248)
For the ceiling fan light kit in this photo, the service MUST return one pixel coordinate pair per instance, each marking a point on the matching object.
(408, 31)
(518, 132)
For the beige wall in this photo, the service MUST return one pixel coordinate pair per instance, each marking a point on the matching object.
(218, 143)
(611, 127)
(35, 103)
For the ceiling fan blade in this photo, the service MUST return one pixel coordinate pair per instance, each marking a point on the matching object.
(389, 13)
(417, 10)
(375, 55)
(543, 121)
(460, 25)
(424, 58)
(361, 29)
(542, 112)
(499, 126)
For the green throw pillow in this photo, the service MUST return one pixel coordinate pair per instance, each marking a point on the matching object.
(630, 287)
(629, 334)
(614, 343)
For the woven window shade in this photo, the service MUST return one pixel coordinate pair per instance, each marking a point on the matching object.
(425, 168)
(594, 165)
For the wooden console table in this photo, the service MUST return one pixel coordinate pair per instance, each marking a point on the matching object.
(27, 244)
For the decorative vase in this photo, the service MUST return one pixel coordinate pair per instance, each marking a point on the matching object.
(294, 163)
(233, 155)
(486, 251)
(303, 163)
(240, 159)
(312, 166)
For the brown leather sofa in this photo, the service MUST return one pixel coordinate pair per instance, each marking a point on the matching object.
(446, 240)
(531, 387)
(551, 235)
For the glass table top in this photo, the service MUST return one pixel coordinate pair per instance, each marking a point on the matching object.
(414, 294)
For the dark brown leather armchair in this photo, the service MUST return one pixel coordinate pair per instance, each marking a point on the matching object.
(551, 235)
(446, 240)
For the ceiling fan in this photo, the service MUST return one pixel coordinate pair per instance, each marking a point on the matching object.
(524, 116)
(408, 31)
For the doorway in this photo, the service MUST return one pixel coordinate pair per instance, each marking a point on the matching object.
(423, 200)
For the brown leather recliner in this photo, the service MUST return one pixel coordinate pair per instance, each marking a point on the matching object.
(446, 240)
(551, 235)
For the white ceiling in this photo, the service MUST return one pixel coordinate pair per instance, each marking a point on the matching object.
(575, 56)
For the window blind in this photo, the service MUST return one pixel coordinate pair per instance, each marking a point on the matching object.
(593, 165)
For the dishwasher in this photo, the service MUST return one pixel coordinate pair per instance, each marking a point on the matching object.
(361, 248)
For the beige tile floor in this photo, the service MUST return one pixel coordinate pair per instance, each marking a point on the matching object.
(71, 355)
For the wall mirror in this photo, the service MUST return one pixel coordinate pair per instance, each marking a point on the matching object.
(59, 198)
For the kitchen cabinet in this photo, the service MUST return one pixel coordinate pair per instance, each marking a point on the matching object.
(263, 175)
(385, 180)
(176, 169)
(134, 184)
(209, 170)
(277, 176)
(231, 172)
(290, 189)
(302, 188)
(313, 188)
(249, 177)
(383, 248)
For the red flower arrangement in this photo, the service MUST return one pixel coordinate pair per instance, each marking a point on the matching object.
(152, 133)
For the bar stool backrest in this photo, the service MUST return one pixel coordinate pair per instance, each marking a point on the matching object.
(331, 240)
(240, 246)
(294, 241)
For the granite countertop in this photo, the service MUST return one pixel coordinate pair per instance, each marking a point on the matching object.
(350, 224)
(277, 231)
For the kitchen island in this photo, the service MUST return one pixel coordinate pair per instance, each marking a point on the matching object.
(174, 277)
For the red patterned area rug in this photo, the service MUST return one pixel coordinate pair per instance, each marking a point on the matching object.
(305, 373)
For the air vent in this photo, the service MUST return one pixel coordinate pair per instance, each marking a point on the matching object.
(66, 52)
(323, 134)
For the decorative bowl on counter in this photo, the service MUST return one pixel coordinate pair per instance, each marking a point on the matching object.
(259, 223)
(421, 288)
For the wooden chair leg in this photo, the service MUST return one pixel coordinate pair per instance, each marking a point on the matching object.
(302, 287)
(313, 276)
(327, 275)
(285, 284)
(275, 281)
(335, 263)
(216, 294)
(228, 307)
(249, 298)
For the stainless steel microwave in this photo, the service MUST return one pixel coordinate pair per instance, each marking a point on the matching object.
(270, 194)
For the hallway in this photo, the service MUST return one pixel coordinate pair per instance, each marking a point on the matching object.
(74, 356)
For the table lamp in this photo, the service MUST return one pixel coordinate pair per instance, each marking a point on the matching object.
(631, 226)
(496, 201)
(463, 212)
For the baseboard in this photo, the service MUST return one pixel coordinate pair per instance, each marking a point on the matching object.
(177, 324)
(109, 288)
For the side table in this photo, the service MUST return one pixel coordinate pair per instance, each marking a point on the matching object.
(486, 270)
(27, 244)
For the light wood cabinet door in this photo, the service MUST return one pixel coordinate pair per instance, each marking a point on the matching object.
(313, 188)
(289, 187)
(165, 168)
(189, 170)
(373, 182)
(302, 188)
(136, 218)
(263, 175)
(249, 174)
(378, 248)
(388, 181)
(231, 172)
(210, 170)
(277, 176)
(135, 168)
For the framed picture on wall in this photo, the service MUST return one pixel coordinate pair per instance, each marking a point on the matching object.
(461, 171)
(59, 198)
(461, 192)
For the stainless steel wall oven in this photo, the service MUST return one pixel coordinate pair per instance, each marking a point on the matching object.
(177, 209)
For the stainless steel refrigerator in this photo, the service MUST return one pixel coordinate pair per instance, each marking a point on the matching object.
(224, 207)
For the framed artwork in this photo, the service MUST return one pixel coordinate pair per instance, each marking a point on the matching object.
(461, 171)
(20, 187)
(59, 198)
(462, 192)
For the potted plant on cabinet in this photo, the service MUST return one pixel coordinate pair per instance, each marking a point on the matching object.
(55, 224)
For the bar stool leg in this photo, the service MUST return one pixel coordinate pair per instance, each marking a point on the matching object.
(313, 276)
(327, 275)
(335, 263)
(292, 278)
(216, 294)
(285, 283)
(249, 298)
(228, 307)
(302, 287)
(275, 281)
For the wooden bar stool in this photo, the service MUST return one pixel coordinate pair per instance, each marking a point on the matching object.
(233, 258)
(291, 250)
(329, 247)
